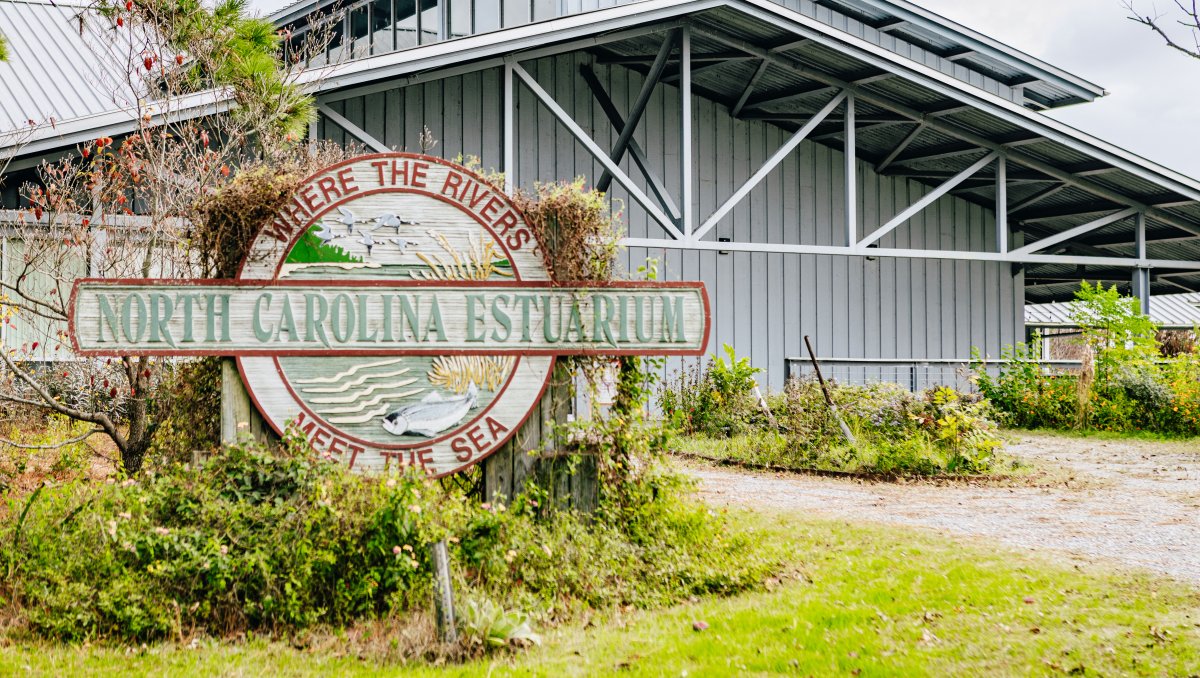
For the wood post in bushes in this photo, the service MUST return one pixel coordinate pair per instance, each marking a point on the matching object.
(570, 479)
(239, 416)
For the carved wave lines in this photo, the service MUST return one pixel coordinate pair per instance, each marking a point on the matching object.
(360, 405)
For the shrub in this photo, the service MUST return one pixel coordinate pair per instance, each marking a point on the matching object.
(1135, 387)
(898, 433)
(276, 541)
(714, 399)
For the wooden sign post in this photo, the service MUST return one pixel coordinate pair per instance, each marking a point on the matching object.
(397, 312)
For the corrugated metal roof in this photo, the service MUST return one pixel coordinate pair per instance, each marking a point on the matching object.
(1170, 311)
(62, 64)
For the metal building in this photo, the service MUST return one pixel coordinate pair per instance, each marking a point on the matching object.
(862, 171)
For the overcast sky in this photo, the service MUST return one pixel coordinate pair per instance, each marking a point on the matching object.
(1154, 93)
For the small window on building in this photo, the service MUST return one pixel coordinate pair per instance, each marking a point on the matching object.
(406, 24)
(487, 15)
(430, 28)
(516, 12)
(360, 33)
(383, 39)
(461, 18)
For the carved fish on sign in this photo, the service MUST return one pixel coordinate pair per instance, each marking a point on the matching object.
(432, 415)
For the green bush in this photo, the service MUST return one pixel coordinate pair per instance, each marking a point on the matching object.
(1126, 385)
(276, 541)
(897, 432)
(714, 399)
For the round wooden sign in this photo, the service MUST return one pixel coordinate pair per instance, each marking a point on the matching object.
(396, 311)
(383, 218)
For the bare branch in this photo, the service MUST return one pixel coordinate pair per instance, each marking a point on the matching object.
(53, 446)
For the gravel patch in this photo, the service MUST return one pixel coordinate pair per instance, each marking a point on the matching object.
(1142, 512)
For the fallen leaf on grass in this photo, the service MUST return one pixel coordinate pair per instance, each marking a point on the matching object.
(699, 625)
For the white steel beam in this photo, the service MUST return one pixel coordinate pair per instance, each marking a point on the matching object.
(510, 131)
(563, 117)
(1037, 197)
(769, 165)
(1001, 204)
(685, 131)
(851, 173)
(354, 130)
(927, 200)
(900, 147)
(657, 187)
(1078, 230)
(758, 74)
(638, 108)
(954, 255)
(951, 129)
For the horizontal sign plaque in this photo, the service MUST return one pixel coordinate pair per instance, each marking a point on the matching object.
(145, 317)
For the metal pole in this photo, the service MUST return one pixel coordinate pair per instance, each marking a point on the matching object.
(851, 174)
(1001, 204)
(1141, 274)
(685, 131)
(638, 109)
(828, 398)
(510, 109)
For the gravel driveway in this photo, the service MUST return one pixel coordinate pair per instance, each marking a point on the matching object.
(1139, 504)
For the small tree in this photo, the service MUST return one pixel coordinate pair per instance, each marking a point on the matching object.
(207, 92)
(1114, 328)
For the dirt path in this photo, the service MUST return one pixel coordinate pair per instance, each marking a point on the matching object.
(1141, 508)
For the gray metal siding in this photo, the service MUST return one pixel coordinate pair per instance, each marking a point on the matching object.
(763, 304)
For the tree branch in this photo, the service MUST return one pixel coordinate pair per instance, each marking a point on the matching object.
(55, 446)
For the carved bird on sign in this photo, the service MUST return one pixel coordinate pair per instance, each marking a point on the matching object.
(401, 243)
(326, 233)
(347, 219)
(389, 220)
(364, 237)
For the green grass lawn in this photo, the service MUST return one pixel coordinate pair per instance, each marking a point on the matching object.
(872, 600)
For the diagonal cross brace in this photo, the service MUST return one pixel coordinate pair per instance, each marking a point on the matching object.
(354, 130)
(638, 108)
(657, 187)
(1078, 230)
(598, 153)
(928, 200)
(769, 165)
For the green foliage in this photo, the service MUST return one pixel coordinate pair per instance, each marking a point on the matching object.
(253, 541)
(1026, 394)
(715, 399)
(487, 625)
(941, 432)
(187, 415)
(899, 433)
(275, 541)
(223, 47)
(4, 54)
(1114, 328)
(1134, 388)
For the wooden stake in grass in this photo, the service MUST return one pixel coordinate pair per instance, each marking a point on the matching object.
(828, 398)
(443, 594)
